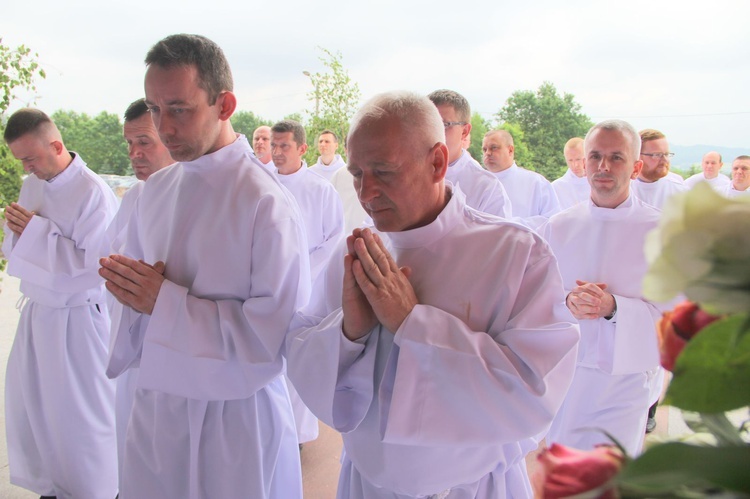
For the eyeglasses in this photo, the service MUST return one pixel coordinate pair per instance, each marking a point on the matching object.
(658, 155)
(448, 124)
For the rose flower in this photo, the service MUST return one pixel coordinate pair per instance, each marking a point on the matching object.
(700, 250)
(677, 327)
(566, 472)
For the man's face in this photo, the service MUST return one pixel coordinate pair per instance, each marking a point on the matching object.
(454, 134)
(188, 126)
(497, 156)
(654, 168)
(287, 154)
(327, 145)
(610, 166)
(146, 152)
(262, 143)
(711, 165)
(741, 174)
(396, 185)
(574, 159)
(37, 155)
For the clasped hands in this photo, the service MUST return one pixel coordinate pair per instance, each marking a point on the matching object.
(134, 283)
(375, 289)
(17, 217)
(590, 300)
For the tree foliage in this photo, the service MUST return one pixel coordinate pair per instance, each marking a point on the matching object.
(97, 139)
(245, 122)
(335, 98)
(547, 121)
(18, 71)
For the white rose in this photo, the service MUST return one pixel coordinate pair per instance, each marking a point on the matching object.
(702, 249)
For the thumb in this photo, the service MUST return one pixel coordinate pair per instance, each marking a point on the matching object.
(159, 267)
(406, 271)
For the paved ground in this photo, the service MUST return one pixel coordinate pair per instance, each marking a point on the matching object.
(320, 459)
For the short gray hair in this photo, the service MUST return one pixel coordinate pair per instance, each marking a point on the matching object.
(417, 114)
(621, 126)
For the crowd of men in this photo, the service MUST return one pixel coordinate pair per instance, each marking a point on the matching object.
(445, 317)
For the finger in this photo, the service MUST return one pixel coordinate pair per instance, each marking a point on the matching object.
(406, 271)
(391, 262)
(379, 254)
(350, 245)
(367, 262)
(139, 268)
(363, 280)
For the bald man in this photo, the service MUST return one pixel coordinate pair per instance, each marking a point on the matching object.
(262, 147)
(531, 195)
(573, 187)
(60, 416)
(711, 166)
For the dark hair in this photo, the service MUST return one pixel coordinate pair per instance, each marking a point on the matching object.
(24, 121)
(330, 132)
(214, 74)
(298, 131)
(454, 99)
(135, 110)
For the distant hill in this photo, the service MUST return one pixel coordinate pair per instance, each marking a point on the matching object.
(686, 156)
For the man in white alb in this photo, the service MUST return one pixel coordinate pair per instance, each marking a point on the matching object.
(329, 162)
(211, 415)
(740, 185)
(324, 225)
(59, 405)
(711, 166)
(531, 195)
(262, 147)
(482, 190)
(653, 185)
(440, 373)
(147, 156)
(573, 187)
(599, 248)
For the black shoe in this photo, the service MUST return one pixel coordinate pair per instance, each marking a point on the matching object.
(650, 425)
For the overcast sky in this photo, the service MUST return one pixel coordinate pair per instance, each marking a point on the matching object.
(681, 67)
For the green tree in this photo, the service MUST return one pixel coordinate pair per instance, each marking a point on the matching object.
(98, 140)
(245, 122)
(18, 71)
(335, 97)
(547, 121)
(521, 153)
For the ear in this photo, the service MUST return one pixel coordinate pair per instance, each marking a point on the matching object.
(302, 149)
(439, 161)
(466, 131)
(511, 149)
(637, 167)
(57, 146)
(227, 103)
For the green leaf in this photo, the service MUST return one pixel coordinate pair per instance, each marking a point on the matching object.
(712, 369)
(671, 466)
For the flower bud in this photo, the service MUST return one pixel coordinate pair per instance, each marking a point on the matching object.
(565, 472)
(677, 327)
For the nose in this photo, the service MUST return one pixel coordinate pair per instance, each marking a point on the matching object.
(365, 186)
(133, 151)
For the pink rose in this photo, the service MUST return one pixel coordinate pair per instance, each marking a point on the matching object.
(565, 472)
(677, 327)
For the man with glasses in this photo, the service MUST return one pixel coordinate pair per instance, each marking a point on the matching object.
(654, 185)
(482, 190)
(573, 187)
